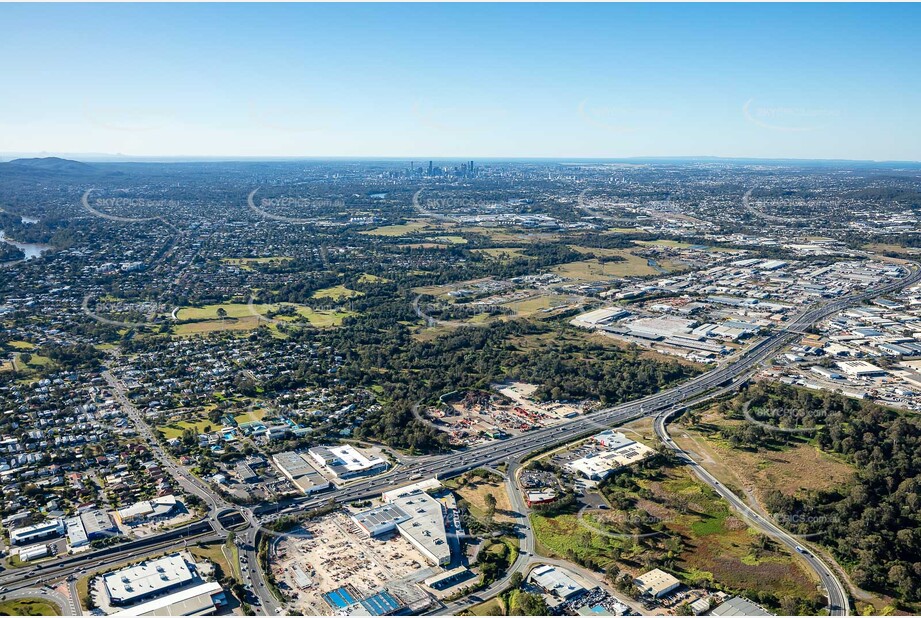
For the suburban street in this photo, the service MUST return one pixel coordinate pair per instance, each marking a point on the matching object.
(511, 452)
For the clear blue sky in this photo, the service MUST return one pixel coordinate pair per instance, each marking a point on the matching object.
(463, 80)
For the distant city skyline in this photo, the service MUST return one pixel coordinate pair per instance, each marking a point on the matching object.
(462, 81)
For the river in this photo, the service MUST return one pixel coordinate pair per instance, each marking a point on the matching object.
(31, 249)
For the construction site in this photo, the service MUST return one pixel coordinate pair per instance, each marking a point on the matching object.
(473, 417)
(330, 566)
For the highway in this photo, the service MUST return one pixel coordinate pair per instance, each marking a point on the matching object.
(496, 452)
(837, 596)
(511, 451)
(697, 390)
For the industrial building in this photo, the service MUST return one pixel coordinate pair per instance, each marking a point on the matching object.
(34, 553)
(345, 461)
(300, 472)
(739, 606)
(147, 510)
(380, 519)
(50, 529)
(201, 600)
(417, 516)
(148, 579)
(449, 578)
(89, 526)
(600, 317)
(861, 369)
(617, 451)
(656, 583)
(557, 582)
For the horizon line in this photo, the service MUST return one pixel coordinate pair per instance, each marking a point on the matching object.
(7, 157)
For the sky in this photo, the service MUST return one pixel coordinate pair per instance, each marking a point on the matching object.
(826, 81)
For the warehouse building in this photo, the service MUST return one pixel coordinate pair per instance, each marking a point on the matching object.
(345, 461)
(148, 579)
(739, 606)
(201, 600)
(619, 451)
(656, 583)
(50, 529)
(300, 472)
(861, 369)
(417, 516)
(147, 510)
(557, 582)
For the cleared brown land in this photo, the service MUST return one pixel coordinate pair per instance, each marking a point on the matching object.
(794, 470)
(474, 492)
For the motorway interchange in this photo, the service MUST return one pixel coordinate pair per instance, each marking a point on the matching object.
(512, 452)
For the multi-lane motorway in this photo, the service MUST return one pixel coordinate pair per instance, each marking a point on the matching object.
(493, 453)
(511, 451)
(834, 590)
(699, 389)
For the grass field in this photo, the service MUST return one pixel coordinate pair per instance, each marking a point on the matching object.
(502, 253)
(707, 539)
(530, 306)
(210, 326)
(509, 235)
(367, 278)
(888, 247)
(255, 414)
(474, 490)
(795, 470)
(438, 290)
(234, 310)
(239, 317)
(217, 553)
(492, 607)
(663, 243)
(398, 230)
(21, 345)
(593, 270)
(29, 607)
(174, 430)
(336, 293)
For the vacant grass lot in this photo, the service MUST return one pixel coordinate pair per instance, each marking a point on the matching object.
(474, 490)
(174, 430)
(699, 529)
(593, 270)
(29, 607)
(398, 230)
(198, 320)
(533, 305)
(336, 293)
(793, 470)
(492, 607)
(503, 253)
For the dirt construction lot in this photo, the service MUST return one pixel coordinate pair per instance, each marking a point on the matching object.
(334, 552)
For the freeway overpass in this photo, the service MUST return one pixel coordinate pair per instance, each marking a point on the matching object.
(456, 463)
(697, 390)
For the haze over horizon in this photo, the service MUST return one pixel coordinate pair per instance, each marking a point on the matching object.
(480, 81)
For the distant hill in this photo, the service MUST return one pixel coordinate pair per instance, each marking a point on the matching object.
(49, 168)
(53, 164)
